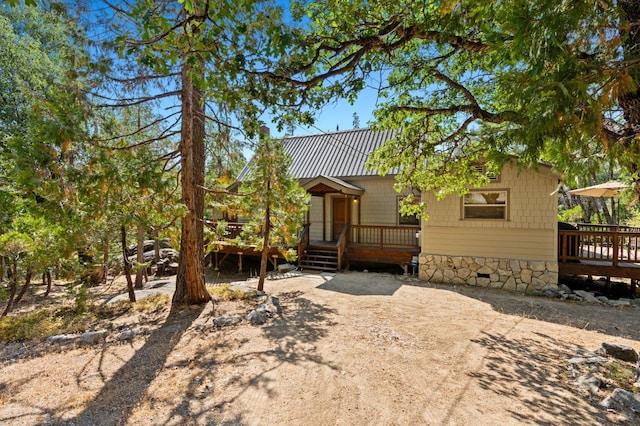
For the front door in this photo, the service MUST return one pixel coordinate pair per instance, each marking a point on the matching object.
(340, 216)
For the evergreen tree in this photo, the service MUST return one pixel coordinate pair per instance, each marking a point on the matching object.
(273, 201)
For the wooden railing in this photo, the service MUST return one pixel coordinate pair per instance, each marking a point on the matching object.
(304, 241)
(596, 227)
(384, 236)
(602, 246)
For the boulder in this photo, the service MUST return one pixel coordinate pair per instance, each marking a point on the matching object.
(63, 339)
(227, 321)
(256, 317)
(621, 352)
(589, 383)
(624, 402)
(148, 246)
(126, 335)
(589, 297)
(93, 337)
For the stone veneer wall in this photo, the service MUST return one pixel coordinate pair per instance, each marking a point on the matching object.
(522, 276)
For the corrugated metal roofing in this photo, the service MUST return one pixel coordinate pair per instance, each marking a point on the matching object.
(339, 154)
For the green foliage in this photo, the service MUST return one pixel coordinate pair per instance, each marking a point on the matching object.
(471, 81)
(225, 292)
(40, 324)
(81, 297)
(151, 304)
(70, 319)
(621, 374)
(270, 187)
(573, 215)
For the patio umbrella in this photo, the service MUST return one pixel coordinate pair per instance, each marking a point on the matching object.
(608, 190)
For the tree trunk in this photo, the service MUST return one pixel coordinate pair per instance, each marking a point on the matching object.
(156, 245)
(140, 257)
(105, 258)
(190, 288)
(127, 265)
(264, 258)
(27, 283)
(47, 275)
(3, 268)
(12, 288)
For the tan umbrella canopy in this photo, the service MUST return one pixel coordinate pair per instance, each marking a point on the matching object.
(609, 190)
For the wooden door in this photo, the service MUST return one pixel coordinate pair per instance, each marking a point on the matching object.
(340, 216)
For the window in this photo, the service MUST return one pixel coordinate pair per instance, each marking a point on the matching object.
(411, 220)
(482, 169)
(485, 205)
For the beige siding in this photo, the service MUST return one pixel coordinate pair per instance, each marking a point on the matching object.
(490, 242)
(529, 233)
(315, 218)
(378, 203)
(376, 206)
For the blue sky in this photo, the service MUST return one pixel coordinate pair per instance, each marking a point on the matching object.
(339, 113)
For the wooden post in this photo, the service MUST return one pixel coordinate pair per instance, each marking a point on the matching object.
(616, 250)
(239, 261)
(324, 217)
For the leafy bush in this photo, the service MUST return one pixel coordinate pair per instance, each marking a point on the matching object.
(225, 292)
(573, 215)
(37, 325)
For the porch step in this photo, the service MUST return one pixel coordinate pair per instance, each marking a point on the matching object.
(320, 259)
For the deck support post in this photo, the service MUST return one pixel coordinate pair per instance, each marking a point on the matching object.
(239, 261)
(217, 267)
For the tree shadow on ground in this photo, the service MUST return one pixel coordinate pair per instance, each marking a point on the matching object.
(515, 367)
(621, 322)
(118, 397)
(377, 285)
(290, 339)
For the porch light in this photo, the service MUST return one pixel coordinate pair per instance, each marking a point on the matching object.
(418, 235)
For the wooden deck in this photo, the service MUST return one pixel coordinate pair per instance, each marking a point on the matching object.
(602, 250)
(357, 243)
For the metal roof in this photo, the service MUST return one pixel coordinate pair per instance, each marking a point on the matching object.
(340, 154)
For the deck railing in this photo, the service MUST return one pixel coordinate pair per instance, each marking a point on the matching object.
(384, 236)
(304, 241)
(607, 228)
(601, 246)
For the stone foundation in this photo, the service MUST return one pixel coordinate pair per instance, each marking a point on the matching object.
(523, 276)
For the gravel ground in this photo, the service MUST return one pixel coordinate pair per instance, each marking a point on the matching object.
(348, 349)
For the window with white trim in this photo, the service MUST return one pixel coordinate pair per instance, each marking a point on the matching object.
(486, 204)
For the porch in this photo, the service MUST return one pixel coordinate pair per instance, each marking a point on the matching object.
(355, 243)
(602, 250)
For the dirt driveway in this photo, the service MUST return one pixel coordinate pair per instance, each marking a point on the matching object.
(349, 349)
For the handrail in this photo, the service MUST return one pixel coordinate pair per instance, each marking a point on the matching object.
(342, 245)
(602, 246)
(304, 241)
(607, 228)
(382, 236)
(232, 230)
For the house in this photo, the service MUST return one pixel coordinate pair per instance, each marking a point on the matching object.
(354, 215)
(504, 235)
